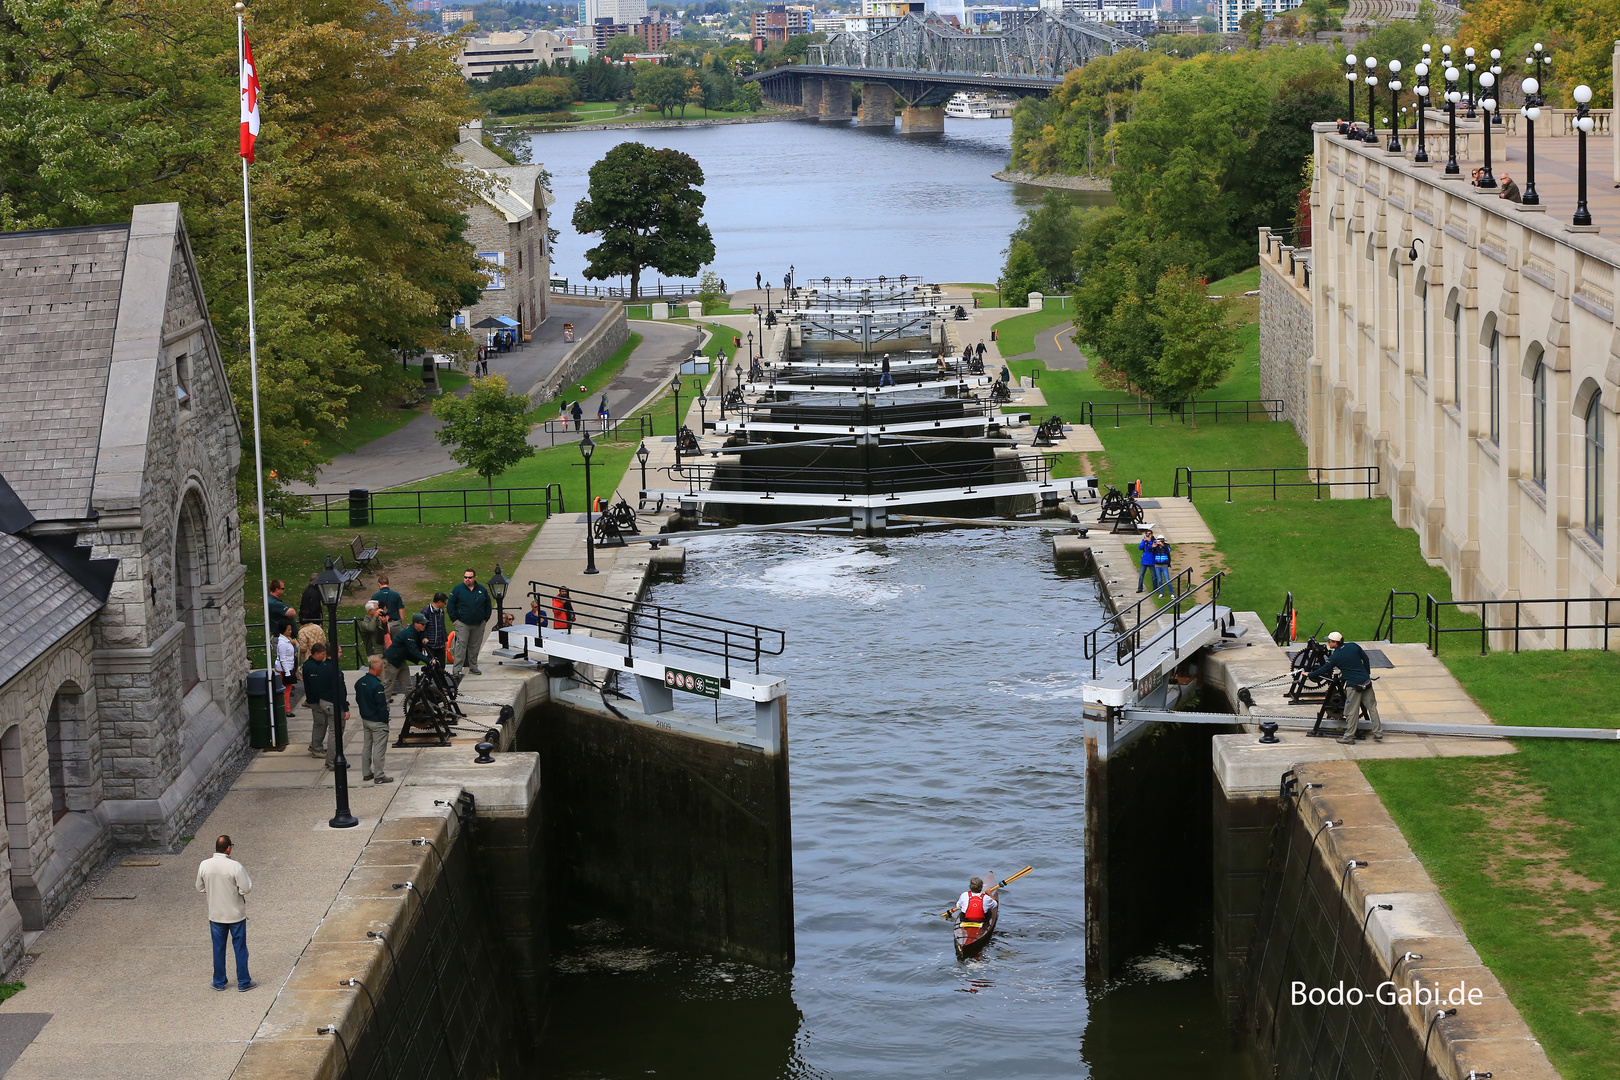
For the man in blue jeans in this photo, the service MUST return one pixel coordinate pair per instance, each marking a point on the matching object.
(1146, 548)
(226, 884)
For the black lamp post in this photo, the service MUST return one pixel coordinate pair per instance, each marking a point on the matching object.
(331, 586)
(1583, 124)
(1394, 144)
(703, 408)
(585, 449)
(641, 456)
(1496, 69)
(1350, 78)
(675, 385)
(1488, 105)
(1470, 67)
(1533, 63)
(1421, 156)
(497, 590)
(767, 295)
(1452, 98)
(751, 348)
(1372, 96)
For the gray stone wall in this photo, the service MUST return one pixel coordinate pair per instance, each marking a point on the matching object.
(602, 342)
(1286, 344)
(528, 263)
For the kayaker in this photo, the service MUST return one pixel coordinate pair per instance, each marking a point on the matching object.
(975, 905)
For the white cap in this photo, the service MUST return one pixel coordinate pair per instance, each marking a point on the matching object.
(1335, 636)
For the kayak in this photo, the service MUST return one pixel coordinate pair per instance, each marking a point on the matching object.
(972, 937)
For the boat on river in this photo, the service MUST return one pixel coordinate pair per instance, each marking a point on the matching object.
(972, 937)
(973, 106)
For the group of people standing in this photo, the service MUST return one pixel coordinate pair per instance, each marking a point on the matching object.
(1155, 552)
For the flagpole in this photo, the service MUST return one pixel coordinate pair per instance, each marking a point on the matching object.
(253, 375)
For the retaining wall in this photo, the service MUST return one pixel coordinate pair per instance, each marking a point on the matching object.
(588, 353)
(1287, 342)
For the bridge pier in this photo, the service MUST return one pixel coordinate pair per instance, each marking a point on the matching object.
(837, 96)
(877, 106)
(810, 91)
(922, 120)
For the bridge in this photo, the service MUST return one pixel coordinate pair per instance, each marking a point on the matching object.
(923, 60)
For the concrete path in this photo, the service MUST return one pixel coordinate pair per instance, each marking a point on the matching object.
(1054, 347)
(663, 346)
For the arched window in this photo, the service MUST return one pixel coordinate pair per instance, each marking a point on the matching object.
(1594, 467)
(1425, 330)
(1538, 425)
(1456, 356)
(1496, 386)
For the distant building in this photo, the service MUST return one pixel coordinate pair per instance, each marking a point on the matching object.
(879, 15)
(1231, 11)
(592, 12)
(1126, 14)
(449, 17)
(123, 652)
(507, 228)
(519, 48)
(654, 32)
(994, 18)
(1170, 26)
(775, 23)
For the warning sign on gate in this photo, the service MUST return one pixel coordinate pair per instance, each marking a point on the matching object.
(692, 683)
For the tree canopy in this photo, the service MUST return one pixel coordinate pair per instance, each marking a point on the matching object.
(487, 430)
(646, 205)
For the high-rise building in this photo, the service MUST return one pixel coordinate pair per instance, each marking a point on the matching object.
(1233, 10)
(777, 22)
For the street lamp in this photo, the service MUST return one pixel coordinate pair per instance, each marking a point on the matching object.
(1496, 69)
(1470, 67)
(720, 359)
(641, 456)
(331, 586)
(585, 449)
(1394, 144)
(1372, 94)
(1583, 124)
(497, 589)
(675, 385)
(703, 409)
(1488, 104)
(1452, 98)
(1422, 91)
(751, 351)
(1350, 81)
(1531, 111)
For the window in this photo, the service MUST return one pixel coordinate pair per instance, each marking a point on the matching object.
(1456, 357)
(496, 278)
(1594, 467)
(1496, 386)
(182, 380)
(1425, 330)
(1538, 425)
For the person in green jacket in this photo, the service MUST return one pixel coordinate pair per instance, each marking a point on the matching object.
(389, 600)
(373, 629)
(328, 695)
(373, 701)
(407, 646)
(468, 609)
(281, 613)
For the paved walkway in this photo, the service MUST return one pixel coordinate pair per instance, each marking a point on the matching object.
(663, 346)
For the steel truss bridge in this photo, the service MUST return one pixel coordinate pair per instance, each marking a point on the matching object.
(926, 59)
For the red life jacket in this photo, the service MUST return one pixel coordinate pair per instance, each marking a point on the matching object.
(975, 908)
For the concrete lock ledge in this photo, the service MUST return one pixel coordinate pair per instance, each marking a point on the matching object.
(1489, 1036)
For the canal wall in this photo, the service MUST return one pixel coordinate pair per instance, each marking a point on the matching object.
(669, 825)
(1333, 945)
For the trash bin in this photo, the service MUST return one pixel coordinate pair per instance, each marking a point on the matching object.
(359, 507)
(267, 717)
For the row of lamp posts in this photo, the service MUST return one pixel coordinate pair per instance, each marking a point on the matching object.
(1487, 79)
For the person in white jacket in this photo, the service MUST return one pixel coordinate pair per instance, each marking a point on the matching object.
(286, 662)
(226, 884)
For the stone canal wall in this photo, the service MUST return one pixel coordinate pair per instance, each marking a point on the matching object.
(683, 837)
(1287, 339)
(1295, 920)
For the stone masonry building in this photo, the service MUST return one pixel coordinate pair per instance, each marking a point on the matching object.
(507, 228)
(122, 657)
(1467, 348)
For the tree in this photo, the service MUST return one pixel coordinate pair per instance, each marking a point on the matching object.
(753, 98)
(1022, 274)
(646, 205)
(1053, 232)
(662, 88)
(487, 431)
(620, 44)
(1198, 340)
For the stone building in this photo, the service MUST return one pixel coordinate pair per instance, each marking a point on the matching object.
(507, 228)
(1467, 348)
(123, 651)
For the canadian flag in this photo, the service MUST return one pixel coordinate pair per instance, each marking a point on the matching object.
(250, 100)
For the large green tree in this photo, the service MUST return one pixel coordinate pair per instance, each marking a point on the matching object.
(647, 206)
(487, 430)
(663, 87)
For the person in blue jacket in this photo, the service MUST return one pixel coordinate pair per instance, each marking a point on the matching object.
(1146, 548)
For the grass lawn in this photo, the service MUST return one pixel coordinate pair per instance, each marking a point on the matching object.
(1017, 334)
(600, 376)
(372, 419)
(1524, 848)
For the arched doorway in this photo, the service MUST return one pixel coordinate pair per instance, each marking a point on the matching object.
(12, 772)
(190, 575)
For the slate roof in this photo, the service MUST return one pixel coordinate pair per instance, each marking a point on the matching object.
(513, 196)
(42, 602)
(59, 292)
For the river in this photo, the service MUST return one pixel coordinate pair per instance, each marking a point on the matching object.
(934, 726)
(830, 200)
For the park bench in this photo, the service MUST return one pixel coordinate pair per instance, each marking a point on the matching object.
(363, 555)
(344, 572)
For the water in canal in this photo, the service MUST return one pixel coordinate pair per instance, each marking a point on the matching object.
(829, 199)
(934, 732)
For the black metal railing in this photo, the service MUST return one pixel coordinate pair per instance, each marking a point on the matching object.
(624, 429)
(446, 506)
(634, 623)
(1160, 597)
(1245, 409)
(1166, 624)
(1188, 479)
(890, 480)
(1390, 615)
(1564, 620)
(615, 292)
